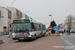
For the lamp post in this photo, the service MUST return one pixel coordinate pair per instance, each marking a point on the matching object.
(12, 10)
(12, 3)
(69, 11)
(51, 17)
(11, 20)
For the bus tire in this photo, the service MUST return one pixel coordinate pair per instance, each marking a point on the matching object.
(35, 37)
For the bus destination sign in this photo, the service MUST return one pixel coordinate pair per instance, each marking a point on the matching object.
(21, 21)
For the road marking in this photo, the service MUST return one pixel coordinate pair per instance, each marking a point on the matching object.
(69, 43)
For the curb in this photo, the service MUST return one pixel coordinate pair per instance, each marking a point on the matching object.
(4, 35)
(9, 37)
(50, 34)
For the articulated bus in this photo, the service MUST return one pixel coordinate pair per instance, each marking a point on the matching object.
(27, 29)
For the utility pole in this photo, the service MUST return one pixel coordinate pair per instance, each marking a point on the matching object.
(11, 21)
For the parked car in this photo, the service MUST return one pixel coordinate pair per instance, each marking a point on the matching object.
(61, 31)
(47, 30)
(5, 33)
(72, 31)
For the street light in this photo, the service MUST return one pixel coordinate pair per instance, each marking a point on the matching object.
(51, 17)
(12, 3)
(69, 11)
(11, 19)
(11, 6)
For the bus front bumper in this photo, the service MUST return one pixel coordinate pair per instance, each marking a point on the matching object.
(22, 37)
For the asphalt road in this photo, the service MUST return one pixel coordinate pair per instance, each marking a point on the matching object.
(5, 40)
(65, 42)
(44, 43)
(68, 41)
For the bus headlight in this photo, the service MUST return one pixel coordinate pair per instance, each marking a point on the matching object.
(13, 36)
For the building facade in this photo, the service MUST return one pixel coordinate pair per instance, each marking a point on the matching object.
(16, 14)
(8, 14)
(73, 24)
(5, 18)
(26, 16)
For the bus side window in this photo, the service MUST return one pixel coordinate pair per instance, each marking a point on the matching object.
(33, 27)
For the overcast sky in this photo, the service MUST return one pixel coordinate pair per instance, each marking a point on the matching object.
(40, 9)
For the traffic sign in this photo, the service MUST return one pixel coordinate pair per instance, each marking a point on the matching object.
(50, 28)
(50, 15)
(55, 28)
(9, 23)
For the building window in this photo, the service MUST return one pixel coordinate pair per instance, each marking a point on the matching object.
(20, 14)
(9, 14)
(37, 27)
(0, 13)
(43, 27)
(17, 12)
(26, 17)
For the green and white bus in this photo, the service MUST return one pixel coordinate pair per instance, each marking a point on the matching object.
(27, 29)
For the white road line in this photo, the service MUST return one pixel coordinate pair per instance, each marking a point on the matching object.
(69, 43)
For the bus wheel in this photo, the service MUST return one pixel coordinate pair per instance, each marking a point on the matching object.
(35, 37)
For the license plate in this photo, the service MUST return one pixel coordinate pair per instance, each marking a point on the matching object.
(21, 38)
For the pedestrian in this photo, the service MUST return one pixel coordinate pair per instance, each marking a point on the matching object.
(64, 31)
(69, 32)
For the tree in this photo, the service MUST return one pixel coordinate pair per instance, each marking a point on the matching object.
(59, 26)
(69, 19)
(53, 24)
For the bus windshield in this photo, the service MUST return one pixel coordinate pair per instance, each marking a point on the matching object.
(21, 27)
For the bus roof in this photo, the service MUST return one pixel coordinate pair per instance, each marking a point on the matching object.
(26, 21)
